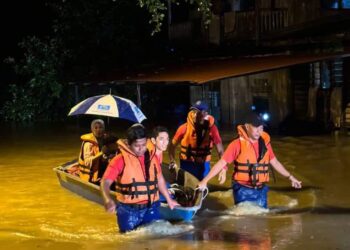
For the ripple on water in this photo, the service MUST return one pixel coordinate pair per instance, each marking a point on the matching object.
(154, 230)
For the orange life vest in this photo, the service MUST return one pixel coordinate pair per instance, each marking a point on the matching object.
(88, 173)
(194, 146)
(250, 170)
(151, 147)
(134, 185)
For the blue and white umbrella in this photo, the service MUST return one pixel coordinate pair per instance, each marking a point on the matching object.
(109, 105)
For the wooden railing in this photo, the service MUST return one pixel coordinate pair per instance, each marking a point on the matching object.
(271, 20)
(249, 23)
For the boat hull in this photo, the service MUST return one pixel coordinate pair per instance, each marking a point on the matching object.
(92, 192)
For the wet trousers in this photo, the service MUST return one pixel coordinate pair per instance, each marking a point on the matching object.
(257, 195)
(199, 170)
(131, 216)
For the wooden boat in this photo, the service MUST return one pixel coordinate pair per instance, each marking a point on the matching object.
(90, 191)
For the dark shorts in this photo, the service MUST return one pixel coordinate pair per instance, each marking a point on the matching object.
(129, 217)
(199, 170)
(257, 195)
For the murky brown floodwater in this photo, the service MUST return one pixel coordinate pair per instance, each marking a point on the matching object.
(35, 212)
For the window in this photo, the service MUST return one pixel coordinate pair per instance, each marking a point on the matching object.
(336, 4)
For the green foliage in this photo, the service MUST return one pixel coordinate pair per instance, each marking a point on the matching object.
(157, 10)
(21, 106)
(34, 95)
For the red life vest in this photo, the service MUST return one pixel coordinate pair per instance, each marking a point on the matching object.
(197, 147)
(251, 170)
(89, 173)
(134, 185)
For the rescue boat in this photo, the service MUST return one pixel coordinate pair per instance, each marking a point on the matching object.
(68, 179)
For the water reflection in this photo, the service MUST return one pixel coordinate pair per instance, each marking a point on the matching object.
(249, 232)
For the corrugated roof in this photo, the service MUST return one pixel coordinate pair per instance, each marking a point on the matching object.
(198, 72)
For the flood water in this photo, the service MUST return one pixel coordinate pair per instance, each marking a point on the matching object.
(36, 212)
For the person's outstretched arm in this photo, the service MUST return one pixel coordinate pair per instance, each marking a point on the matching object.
(222, 174)
(214, 171)
(284, 172)
(164, 191)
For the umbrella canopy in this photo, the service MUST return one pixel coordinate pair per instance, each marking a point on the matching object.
(109, 105)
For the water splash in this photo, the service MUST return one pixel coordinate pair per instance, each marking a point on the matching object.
(247, 208)
(162, 228)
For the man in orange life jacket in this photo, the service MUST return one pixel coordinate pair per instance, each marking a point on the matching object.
(252, 155)
(197, 137)
(138, 181)
(90, 152)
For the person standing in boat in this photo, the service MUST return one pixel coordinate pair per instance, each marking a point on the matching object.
(252, 156)
(197, 137)
(90, 151)
(138, 180)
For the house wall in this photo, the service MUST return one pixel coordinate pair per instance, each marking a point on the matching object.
(237, 95)
(300, 11)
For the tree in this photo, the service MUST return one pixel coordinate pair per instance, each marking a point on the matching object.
(157, 10)
(38, 87)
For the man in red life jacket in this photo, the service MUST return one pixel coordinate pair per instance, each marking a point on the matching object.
(252, 156)
(197, 137)
(138, 180)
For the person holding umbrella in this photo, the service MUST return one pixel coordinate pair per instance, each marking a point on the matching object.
(138, 180)
(107, 106)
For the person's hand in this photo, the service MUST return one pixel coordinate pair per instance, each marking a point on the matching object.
(202, 185)
(172, 165)
(222, 176)
(173, 203)
(295, 183)
(110, 206)
(105, 150)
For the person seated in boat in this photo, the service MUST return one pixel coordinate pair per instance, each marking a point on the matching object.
(109, 150)
(138, 181)
(90, 152)
(252, 156)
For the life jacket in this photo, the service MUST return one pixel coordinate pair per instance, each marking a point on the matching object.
(134, 185)
(196, 145)
(152, 148)
(88, 173)
(250, 170)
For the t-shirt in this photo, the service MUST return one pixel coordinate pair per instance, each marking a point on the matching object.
(234, 148)
(213, 132)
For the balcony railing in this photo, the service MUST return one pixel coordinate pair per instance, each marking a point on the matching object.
(271, 20)
(249, 23)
